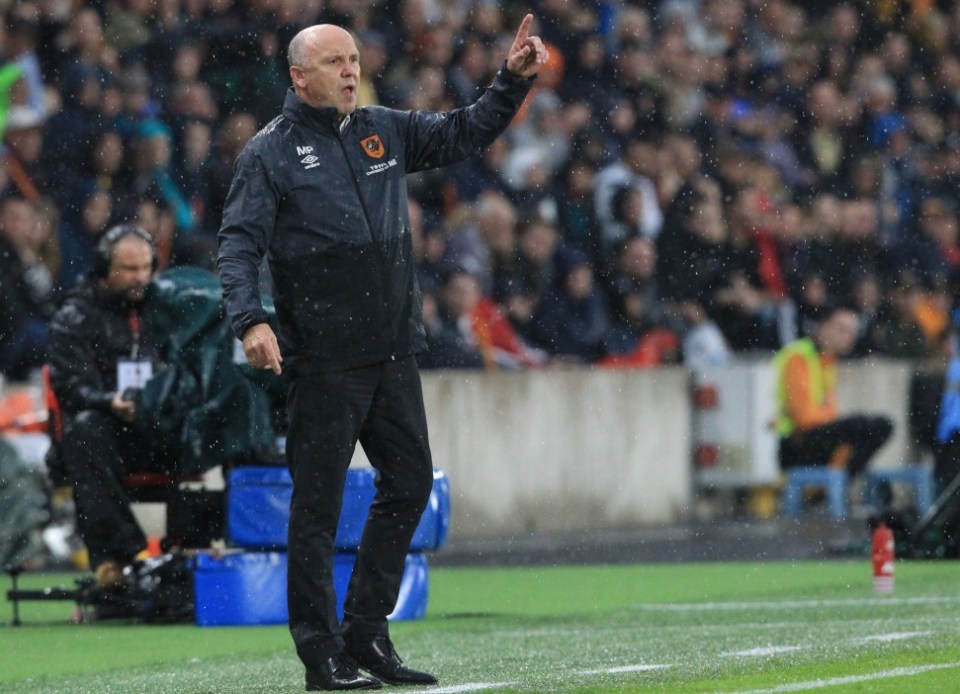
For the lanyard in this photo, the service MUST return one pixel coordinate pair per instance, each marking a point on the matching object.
(134, 319)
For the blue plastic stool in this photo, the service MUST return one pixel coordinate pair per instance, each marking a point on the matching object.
(919, 477)
(834, 480)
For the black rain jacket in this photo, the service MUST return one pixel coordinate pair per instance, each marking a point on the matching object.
(89, 334)
(328, 206)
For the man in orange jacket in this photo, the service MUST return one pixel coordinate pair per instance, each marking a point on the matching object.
(811, 431)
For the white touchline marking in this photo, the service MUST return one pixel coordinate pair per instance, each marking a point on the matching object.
(895, 636)
(622, 669)
(779, 605)
(852, 679)
(762, 651)
(869, 623)
(457, 688)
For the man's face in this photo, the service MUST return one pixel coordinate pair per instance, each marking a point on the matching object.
(131, 268)
(838, 334)
(27, 143)
(96, 212)
(330, 71)
(462, 294)
(579, 282)
(17, 219)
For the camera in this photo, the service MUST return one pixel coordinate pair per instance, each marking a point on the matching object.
(131, 394)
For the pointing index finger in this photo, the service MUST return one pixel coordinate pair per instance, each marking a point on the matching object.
(524, 31)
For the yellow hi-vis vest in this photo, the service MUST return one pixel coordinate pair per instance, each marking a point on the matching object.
(821, 380)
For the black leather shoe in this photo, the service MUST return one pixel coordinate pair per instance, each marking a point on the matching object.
(379, 658)
(337, 673)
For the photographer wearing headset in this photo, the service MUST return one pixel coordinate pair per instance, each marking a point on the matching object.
(100, 355)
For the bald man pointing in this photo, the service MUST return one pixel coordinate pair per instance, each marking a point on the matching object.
(321, 192)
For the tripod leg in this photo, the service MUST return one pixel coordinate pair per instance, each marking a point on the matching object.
(943, 510)
(15, 598)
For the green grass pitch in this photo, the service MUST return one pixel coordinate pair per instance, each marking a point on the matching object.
(740, 627)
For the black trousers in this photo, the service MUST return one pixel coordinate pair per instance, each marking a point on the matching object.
(381, 406)
(865, 434)
(96, 451)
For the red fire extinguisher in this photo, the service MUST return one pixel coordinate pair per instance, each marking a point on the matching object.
(883, 557)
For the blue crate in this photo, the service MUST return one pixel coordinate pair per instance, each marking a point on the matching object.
(240, 589)
(250, 588)
(258, 509)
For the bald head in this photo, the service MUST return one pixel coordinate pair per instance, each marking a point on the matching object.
(325, 67)
(317, 34)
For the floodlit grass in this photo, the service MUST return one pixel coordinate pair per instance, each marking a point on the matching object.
(660, 628)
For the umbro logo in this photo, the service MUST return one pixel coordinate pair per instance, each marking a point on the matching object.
(309, 161)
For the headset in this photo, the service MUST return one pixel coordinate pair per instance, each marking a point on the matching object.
(109, 241)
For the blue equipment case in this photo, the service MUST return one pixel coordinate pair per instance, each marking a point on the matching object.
(258, 509)
(250, 588)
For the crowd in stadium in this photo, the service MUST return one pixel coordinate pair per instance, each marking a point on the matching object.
(690, 179)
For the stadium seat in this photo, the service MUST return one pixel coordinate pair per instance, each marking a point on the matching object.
(920, 477)
(832, 479)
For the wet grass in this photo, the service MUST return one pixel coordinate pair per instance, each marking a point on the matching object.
(660, 628)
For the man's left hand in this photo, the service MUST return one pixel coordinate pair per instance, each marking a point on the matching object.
(527, 53)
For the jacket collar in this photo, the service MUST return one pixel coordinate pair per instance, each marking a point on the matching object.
(324, 119)
(89, 289)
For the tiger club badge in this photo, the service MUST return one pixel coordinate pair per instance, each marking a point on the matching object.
(373, 146)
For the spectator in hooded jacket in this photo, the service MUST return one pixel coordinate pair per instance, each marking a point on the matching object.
(946, 467)
(27, 297)
(571, 321)
(80, 233)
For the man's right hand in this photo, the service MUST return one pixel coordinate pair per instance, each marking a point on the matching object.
(261, 349)
(124, 410)
(527, 54)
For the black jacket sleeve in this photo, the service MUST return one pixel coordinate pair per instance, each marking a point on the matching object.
(438, 139)
(74, 374)
(249, 214)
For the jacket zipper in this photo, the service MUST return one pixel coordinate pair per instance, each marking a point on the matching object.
(356, 188)
(377, 242)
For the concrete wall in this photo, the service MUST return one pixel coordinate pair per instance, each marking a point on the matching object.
(880, 387)
(584, 448)
(561, 449)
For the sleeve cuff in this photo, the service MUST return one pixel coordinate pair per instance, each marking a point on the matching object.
(505, 73)
(244, 323)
